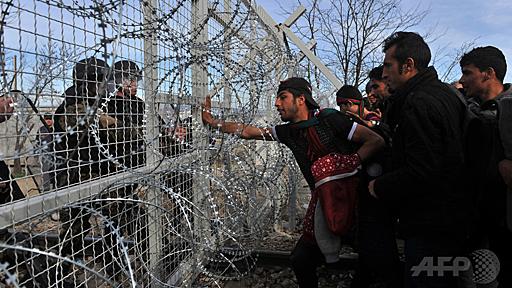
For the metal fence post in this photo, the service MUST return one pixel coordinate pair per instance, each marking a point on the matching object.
(152, 129)
(199, 24)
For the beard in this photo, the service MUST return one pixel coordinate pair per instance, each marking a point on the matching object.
(289, 114)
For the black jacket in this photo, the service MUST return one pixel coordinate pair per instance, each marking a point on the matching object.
(123, 141)
(426, 120)
(490, 138)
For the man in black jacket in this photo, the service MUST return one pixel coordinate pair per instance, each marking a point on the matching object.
(483, 72)
(426, 118)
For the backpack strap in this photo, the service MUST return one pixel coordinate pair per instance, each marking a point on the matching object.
(316, 148)
(314, 119)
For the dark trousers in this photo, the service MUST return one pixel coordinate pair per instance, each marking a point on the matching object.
(305, 258)
(378, 252)
(435, 245)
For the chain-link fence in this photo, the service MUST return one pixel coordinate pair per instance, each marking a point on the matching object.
(108, 177)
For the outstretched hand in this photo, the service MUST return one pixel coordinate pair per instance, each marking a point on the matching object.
(206, 114)
(368, 123)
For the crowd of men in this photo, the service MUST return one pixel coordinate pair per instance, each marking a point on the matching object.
(418, 159)
(422, 161)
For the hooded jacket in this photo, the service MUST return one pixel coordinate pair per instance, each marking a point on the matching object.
(426, 120)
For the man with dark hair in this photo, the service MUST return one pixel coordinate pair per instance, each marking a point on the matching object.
(426, 118)
(371, 97)
(377, 84)
(376, 74)
(312, 135)
(483, 72)
(484, 58)
(407, 45)
(378, 87)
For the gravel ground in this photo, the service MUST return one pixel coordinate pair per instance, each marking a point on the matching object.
(281, 276)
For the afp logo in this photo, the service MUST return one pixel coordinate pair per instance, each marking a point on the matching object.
(437, 266)
(484, 263)
(486, 266)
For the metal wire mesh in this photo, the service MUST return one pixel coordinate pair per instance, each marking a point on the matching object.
(108, 176)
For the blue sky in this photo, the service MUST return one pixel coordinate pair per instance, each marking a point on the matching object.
(485, 23)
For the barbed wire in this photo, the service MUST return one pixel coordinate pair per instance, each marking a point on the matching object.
(208, 211)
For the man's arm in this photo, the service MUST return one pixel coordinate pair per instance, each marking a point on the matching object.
(243, 130)
(371, 142)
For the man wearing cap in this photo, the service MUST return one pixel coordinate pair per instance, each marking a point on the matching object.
(336, 132)
(128, 111)
(78, 148)
(77, 157)
(350, 100)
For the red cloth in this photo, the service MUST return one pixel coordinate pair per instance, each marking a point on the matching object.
(338, 195)
(338, 199)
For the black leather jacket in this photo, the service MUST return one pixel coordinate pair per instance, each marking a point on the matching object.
(426, 121)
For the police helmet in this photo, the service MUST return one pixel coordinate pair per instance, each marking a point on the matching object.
(126, 69)
(90, 69)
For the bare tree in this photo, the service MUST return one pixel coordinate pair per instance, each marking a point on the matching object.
(349, 34)
(447, 60)
(310, 31)
(6, 16)
(353, 30)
